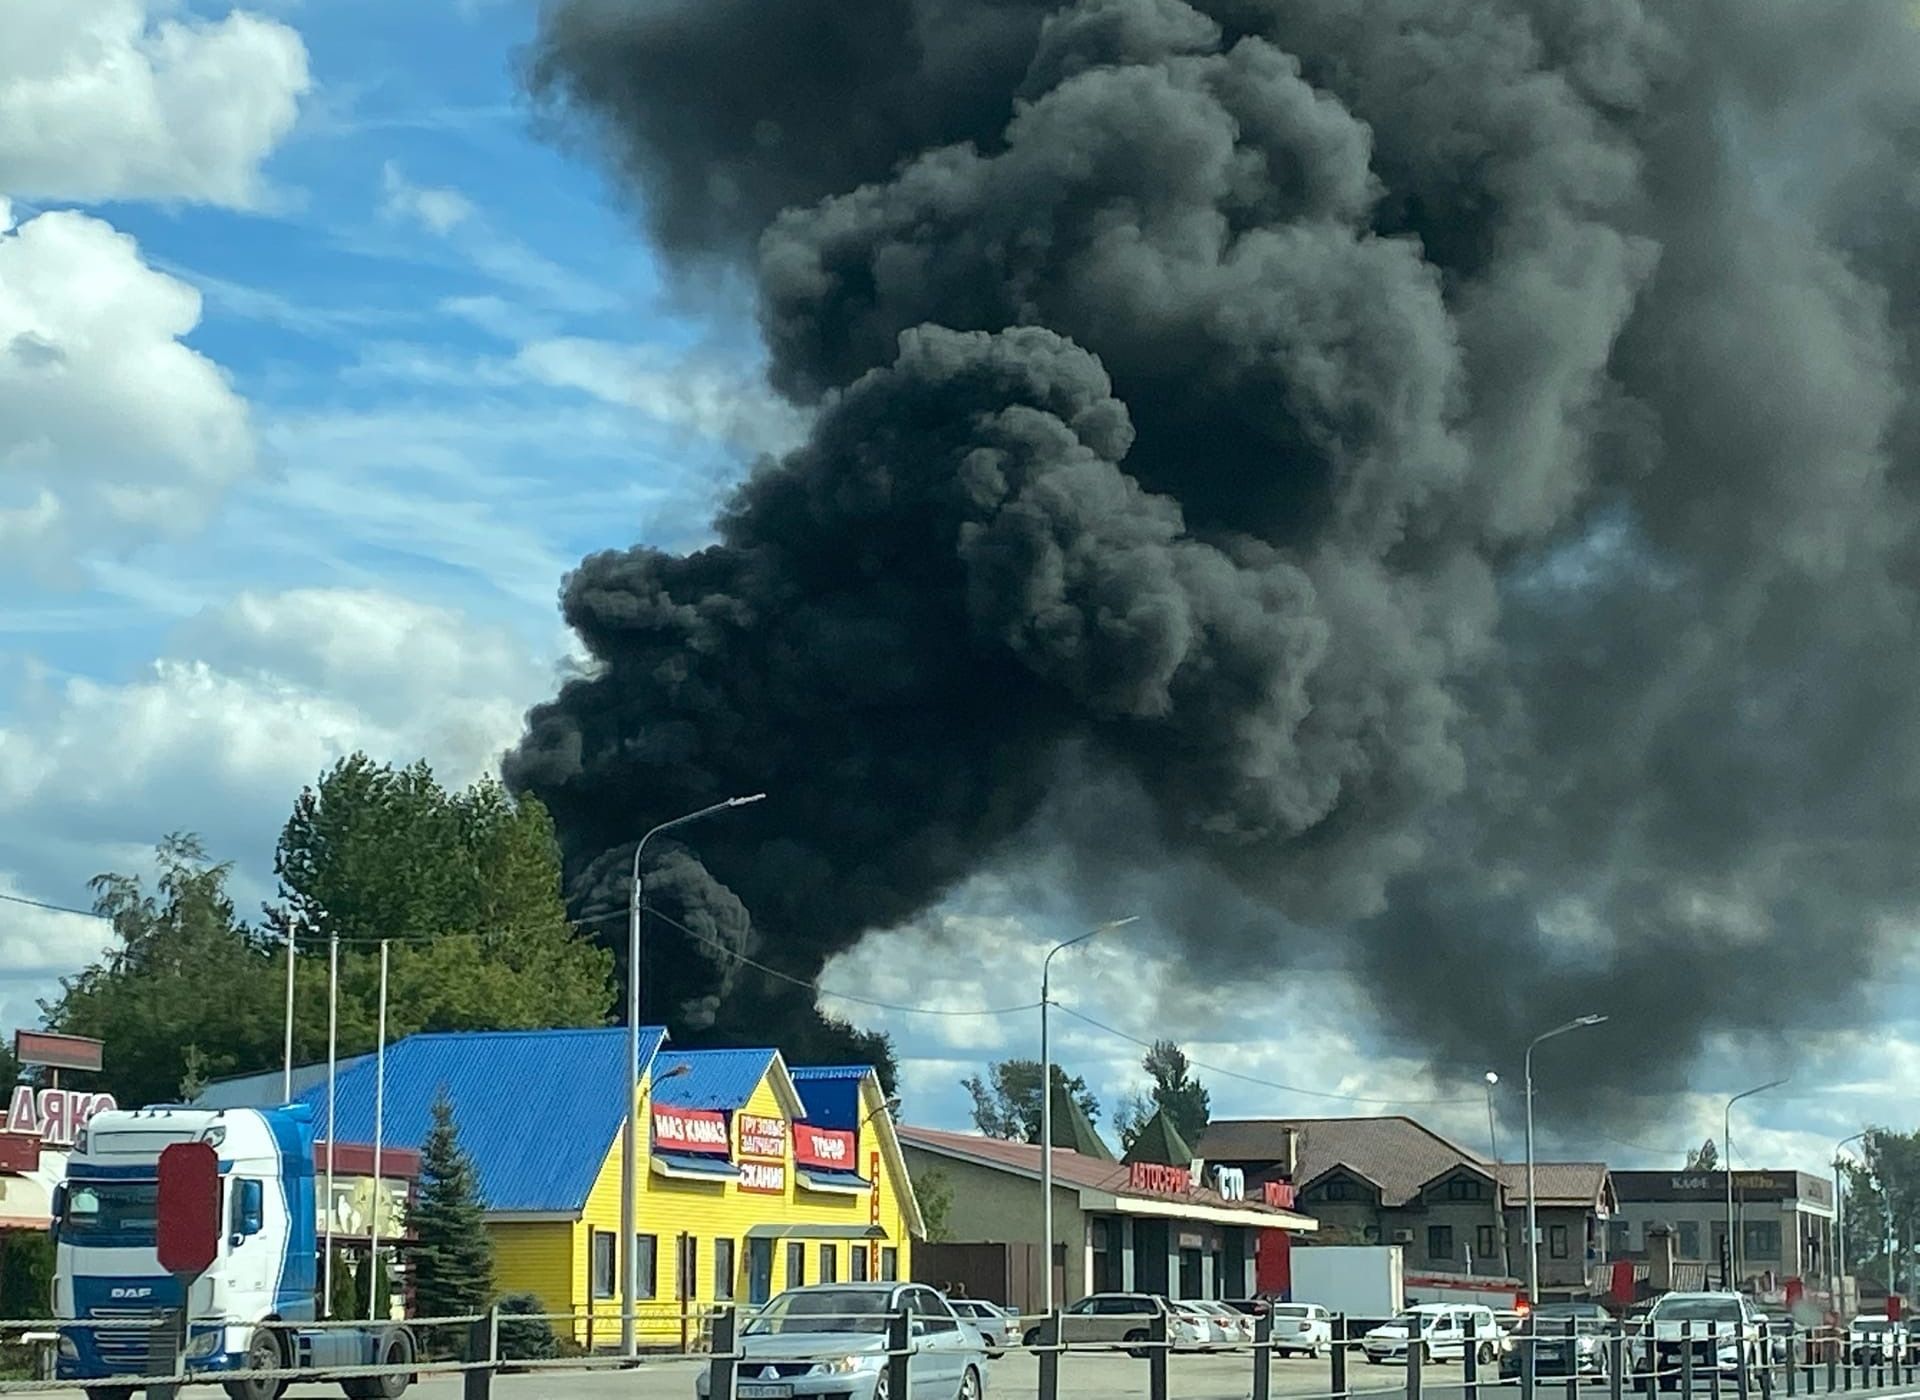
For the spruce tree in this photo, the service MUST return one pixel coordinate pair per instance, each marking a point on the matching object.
(451, 1258)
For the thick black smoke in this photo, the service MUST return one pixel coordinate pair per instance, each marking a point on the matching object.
(1440, 470)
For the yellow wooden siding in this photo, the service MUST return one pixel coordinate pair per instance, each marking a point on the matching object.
(671, 1209)
(535, 1257)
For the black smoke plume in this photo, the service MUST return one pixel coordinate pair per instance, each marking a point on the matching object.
(1426, 483)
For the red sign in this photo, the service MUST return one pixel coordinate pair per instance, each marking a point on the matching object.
(1278, 1194)
(187, 1231)
(53, 1115)
(829, 1151)
(691, 1130)
(766, 1178)
(1158, 1179)
(18, 1152)
(57, 1051)
(762, 1137)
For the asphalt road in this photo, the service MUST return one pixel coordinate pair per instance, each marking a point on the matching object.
(1088, 1376)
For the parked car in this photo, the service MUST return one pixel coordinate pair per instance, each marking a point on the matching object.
(830, 1339)
(1781, 1326)
(1234, 1327)
(1252, 1307)
(1719, 1329)
(998, 1328)
(1872, 1340)
(1569, 1339)
(1439, 1330)
(1124, 1318)
(1304, 1329)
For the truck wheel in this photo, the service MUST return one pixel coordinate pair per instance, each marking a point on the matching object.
(109, 1392)
(395, 1348)
(263, 1354)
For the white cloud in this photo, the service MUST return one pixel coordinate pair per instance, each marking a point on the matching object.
(111, 429)
(38, 947)
(716, 401)
(248, 702)
(438, 210)
(105, 99)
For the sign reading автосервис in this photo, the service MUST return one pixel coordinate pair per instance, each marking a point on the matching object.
(53, 1115)
(691, 1130)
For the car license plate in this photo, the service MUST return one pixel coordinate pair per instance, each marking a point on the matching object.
(762, 1390)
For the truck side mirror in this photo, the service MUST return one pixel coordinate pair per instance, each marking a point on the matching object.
(59, 1209)
(252, 1210)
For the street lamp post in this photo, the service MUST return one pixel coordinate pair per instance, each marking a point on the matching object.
(1046, 1101)
(629, 1136)
(1732, 1265)
(1533, 1227)
(1837, 1255)
(1499, 1204)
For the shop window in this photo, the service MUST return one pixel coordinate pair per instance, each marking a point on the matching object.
(723, 1270)
(1688, 1244)
(829, 1264)
(857, 1257)
(646, 1251)
(686, 1274)
(889, 1264)
(1485, 1246)
(1439, 1241)
(604, 1281)
(1556, 1241)
(796, 1264)
(1760, 1239)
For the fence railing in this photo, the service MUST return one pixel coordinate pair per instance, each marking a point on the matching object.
(1723, 1362)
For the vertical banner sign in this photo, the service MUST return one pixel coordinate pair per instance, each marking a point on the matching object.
(873, 1213)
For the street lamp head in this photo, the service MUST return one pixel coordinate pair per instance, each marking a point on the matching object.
(683, 1068)
(746, 801)
(1492, 1078)
(1590, 1020)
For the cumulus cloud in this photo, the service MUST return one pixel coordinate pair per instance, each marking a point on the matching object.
(245, 704)
(37, 946)
(112, 430)
(109, 100)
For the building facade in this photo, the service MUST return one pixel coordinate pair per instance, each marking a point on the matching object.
(1391, 1180)
(1116, 1226)
(1784, 1221)
(746, 1185)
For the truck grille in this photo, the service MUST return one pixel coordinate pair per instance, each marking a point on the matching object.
(125, 1341)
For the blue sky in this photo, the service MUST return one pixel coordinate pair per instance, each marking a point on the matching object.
(319, 365)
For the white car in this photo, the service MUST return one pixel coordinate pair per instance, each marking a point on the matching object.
(1301, 1328)
(1717, 1328)
(1438, 1329)
(1208, 1331)
(1230, 1326)
(830, 1340)
(998, 1328)
(1872, 1340)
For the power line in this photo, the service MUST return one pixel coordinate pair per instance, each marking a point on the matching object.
(842, 996)
(56, 908)
(1265, 1083)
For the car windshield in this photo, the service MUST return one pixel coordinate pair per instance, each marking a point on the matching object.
(1289, 1310)
(823, 1310)
(1696, 1310)
(123, 1211)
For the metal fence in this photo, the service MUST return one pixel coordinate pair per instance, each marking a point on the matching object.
(1730, 1363)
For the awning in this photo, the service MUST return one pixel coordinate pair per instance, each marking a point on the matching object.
(684, 1166)
(815, 1232)
(842, 1183)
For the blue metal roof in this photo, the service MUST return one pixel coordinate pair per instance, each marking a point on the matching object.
(832, 1094)
(722, 1080)
(537, 1111)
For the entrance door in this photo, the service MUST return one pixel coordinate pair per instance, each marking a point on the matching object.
(759, 1271)
(1191, 1285)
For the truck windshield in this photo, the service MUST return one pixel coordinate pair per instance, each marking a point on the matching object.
(1676, 1309)
(123, 1211)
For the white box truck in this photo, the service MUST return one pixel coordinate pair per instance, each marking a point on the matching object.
(1364, 1282)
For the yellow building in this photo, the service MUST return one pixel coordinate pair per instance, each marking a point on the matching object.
(754, 1177)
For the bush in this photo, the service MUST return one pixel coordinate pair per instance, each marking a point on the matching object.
(26, 1274)
(525, 1336)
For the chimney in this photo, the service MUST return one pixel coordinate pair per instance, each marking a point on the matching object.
(1660, 1258)
(1290, 1146)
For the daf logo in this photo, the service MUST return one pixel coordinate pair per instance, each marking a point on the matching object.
(133, 1293)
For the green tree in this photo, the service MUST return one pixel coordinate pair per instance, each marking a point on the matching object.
(451, 1257)
(1130, 1116)
(1703, 1158)
(458, 881)
(176, 951)
(1174, 1091)
(934, 1192)
(1883, 1195)
(1006, 1104)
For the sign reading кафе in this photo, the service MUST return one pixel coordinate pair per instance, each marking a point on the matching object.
(1630, 1186)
